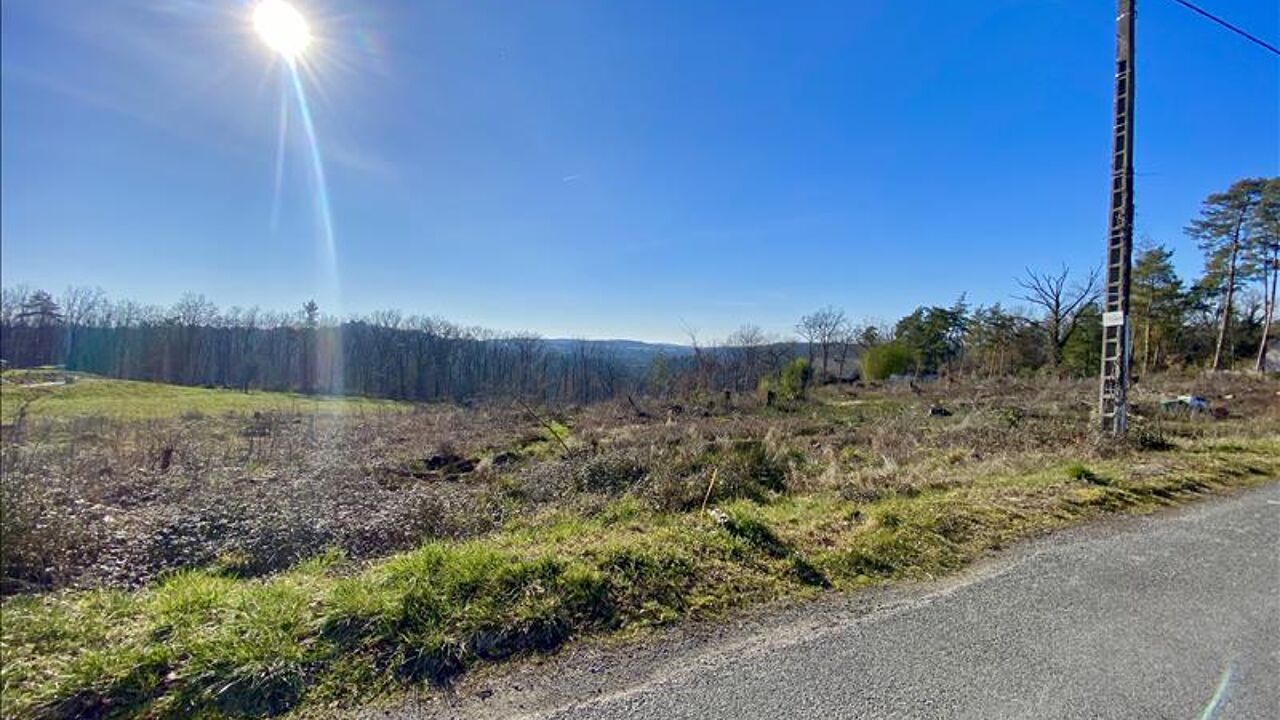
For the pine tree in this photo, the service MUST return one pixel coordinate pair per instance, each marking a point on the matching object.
(40, 312)
(1222, 231)
(310, 319)
(1265, 254)
(1157, 304)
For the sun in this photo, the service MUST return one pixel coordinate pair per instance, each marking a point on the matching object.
(282, 28)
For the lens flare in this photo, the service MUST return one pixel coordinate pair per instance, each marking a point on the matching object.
(282, 135)
(317, 166)
(282, 28)
(329, 354)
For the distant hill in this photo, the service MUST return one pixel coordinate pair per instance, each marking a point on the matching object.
(637, 354)
(634, 353)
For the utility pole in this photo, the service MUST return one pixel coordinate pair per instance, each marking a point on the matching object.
(1113, 406)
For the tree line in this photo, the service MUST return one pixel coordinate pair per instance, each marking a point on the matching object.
(1221, 319)
(384, 354)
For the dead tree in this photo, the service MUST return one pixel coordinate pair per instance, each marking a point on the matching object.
(823, 327)
(1063, 305)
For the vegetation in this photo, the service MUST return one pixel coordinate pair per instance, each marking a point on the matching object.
(934, 337)
(1158, 300)
(1221, 319)
(384, 355)
(51, 393)
(1229, 229)
(881, 362)
(297, 559)
(795, 379)
(241, 544)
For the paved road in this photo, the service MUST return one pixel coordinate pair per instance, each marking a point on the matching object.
(1176, 616)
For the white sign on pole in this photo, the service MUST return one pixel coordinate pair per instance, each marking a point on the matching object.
(1112, 318)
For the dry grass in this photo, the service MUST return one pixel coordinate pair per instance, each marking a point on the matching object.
(107, 500)
(293, 527)
(58, 394)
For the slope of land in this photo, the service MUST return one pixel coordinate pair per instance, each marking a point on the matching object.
(57, 394)
(301, 561)
(1176, 614)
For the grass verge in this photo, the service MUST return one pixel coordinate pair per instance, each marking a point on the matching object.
(202, 644)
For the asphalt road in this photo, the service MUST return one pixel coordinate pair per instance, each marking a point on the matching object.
(1175, 616)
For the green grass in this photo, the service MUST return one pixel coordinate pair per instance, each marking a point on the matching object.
(550, 441)
(89, 395)
(201, 644)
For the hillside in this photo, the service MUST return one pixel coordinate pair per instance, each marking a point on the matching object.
(58, 394)
(219, 563)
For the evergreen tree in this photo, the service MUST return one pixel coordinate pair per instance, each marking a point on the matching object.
(1157, 304)
(43, 318)
(1222, 231)
(934, 334)
(40, 310)
(1082, 353)
(1265, 255)
(999, 342)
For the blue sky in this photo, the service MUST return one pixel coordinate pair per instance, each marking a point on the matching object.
(612, 168)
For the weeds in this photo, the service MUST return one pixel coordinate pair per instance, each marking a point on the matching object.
(250, 564)
(1078, 471)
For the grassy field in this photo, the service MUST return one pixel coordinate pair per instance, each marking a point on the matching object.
(686, 512)
(53, 394)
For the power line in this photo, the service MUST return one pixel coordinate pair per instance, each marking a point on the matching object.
(1237, 30)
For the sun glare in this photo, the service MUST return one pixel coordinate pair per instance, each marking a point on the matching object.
(282, 27)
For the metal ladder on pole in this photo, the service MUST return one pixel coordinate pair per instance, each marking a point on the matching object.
(1113, 405)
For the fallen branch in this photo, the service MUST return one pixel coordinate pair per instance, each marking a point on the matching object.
(550, 428)
(710, 485)
(639, 413)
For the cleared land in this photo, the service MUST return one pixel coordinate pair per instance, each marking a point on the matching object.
(236, 564)
(56, 394)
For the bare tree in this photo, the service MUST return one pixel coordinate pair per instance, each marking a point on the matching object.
(528, 351)
(746, 349)
(847, 339)
(704, 362)
(194, 310)
(81, 306)
(807, 329)
(1062, 303)
(12, 298)
(824, 327)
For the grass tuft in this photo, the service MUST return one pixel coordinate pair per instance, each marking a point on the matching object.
(1078, 471)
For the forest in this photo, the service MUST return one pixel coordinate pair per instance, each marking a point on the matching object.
(1218, 320)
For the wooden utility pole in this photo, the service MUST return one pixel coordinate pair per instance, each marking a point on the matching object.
(1116, 341)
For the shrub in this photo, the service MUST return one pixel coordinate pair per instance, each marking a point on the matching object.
(610, 473)
(748, 470)
(1078, 471)
(795, 379)
(744, 469)
(1150, 438)
(47, 535)
(883, 361)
